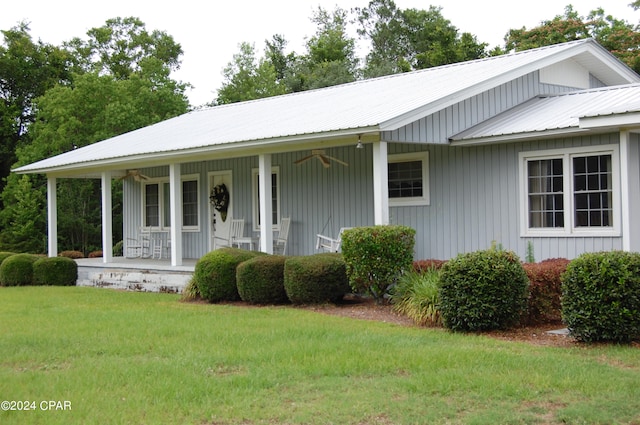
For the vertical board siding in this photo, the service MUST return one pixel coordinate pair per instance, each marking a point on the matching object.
(475, 202)
(440, 126)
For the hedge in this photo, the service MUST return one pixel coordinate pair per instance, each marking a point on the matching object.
(17, 270)
(260, 280)
(55, 271)
(315, 279)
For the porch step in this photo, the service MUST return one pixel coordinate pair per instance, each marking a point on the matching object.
(133, 279)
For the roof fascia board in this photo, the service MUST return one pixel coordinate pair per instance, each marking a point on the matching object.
(214, 152)
(426, 110)
(625, 120)
(520, 137)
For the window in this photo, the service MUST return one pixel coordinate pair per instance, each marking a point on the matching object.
(275, 197)
(408, 176)
(157, 204)
(570, 192)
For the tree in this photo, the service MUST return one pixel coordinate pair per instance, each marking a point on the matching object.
(410, 39)
(331, 54)
(124, 46)
(27, 70)
(619, 37)
(95, 106)
(247, 78)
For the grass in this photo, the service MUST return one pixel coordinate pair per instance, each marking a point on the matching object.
(140, 358)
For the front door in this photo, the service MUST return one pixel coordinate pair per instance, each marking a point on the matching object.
(220, 206)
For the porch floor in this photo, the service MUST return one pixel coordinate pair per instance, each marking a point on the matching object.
(135, 274)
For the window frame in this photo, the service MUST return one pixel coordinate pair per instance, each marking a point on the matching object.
(570, 229)
(255, 203)
(423, 200)
(163, 202)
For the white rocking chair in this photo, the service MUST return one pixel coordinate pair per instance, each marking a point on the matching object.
(329, 244)
(283, 235)
(139, 247)
(236, 230)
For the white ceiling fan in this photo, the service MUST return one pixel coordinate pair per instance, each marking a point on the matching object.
(322, 157)
(136, 174)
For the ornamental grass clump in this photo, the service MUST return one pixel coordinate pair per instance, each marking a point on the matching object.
(601, 297)
(483, 290)
(416, 296)
(17, 270)
(215, 273)
(55, 271)
(260, 280)
(376, 257)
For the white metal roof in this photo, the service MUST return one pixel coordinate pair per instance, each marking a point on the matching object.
(377, 104)
(547, 114)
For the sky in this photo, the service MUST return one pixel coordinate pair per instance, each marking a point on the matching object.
(210, 32)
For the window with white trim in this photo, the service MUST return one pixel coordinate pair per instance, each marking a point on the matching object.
(570, 192)
(275, 197)
(157, 204)
(408, 179)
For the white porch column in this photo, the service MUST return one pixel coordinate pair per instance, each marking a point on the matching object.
(175, 196)
(630, 191)
(52, 217)
(266, 210)
(380, 183)
(107, 219)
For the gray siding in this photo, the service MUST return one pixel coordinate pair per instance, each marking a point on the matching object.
(475, 202)
(440, 126)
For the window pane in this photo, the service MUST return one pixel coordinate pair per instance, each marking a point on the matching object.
(546, 185)
(405, 179)
(166, 206)
(593, 193)
(152, 207)
(190, 203)
(274, 198)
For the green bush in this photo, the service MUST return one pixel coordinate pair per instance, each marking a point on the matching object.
(377, 256)
(483, 290)
(315, 279)
(260, 280)
(17, 270)
(601, 297)
(215, 273)
(4, 255)
(545, 291)
(56, 271)
(416, 296)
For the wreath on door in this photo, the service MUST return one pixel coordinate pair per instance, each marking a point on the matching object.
(219, 199)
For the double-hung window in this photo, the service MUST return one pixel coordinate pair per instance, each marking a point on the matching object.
(157, 204)
(570, 192)
(408, 177)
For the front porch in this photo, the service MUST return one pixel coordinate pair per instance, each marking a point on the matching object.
(147, 275)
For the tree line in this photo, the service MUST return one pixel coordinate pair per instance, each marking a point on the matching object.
(117, 79)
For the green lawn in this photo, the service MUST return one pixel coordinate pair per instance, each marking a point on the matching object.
(138, 358)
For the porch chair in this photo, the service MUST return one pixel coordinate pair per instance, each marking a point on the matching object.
(140, 246)
(329, 244)
(236, 230)
(283, 235)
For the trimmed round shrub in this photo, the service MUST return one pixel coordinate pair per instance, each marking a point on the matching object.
(483, 290)
(315, 279)
(601, 297)
(55, 271)
(376, 257)
(215, 273)
(17, 270)
(260, 280)
(4, 255)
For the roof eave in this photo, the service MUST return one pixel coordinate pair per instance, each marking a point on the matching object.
(221, 151)
(517, 137)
